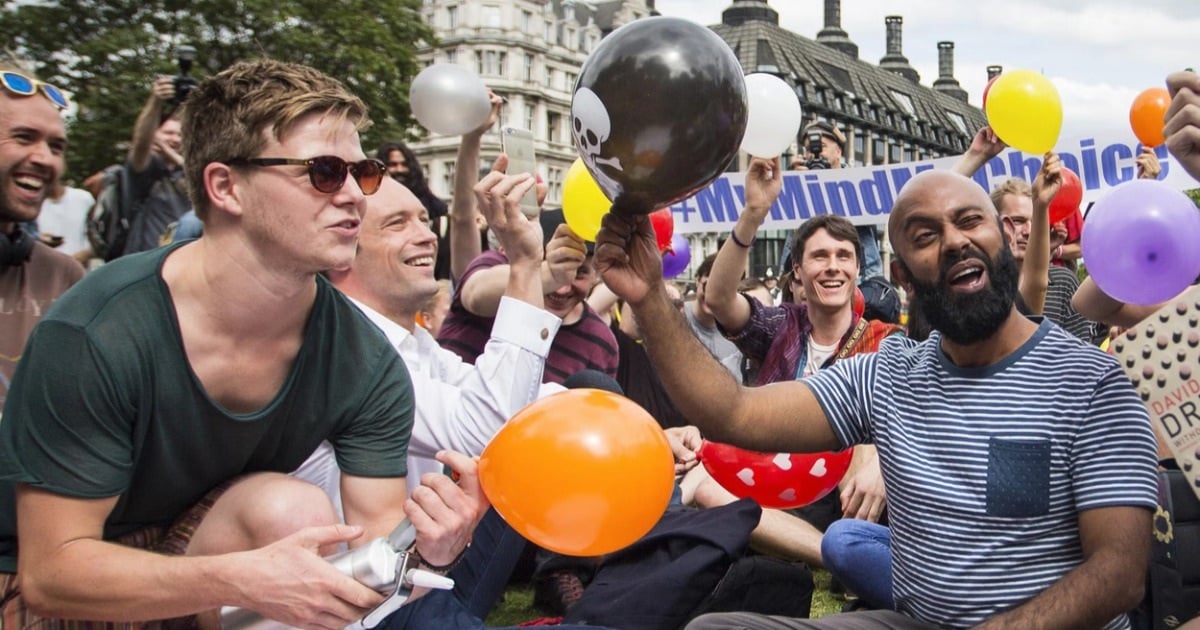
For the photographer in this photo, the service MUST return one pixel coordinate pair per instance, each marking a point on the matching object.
(158, 193)
(824, 144)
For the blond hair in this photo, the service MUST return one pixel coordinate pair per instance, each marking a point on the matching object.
(225, 116)
(1010, 186)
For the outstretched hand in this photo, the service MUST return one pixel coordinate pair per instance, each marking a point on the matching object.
(498, 197)
(627, 256)
(986, 144)
(1048, 181)
(1182, 122)
(764, 181)
(1148, 166)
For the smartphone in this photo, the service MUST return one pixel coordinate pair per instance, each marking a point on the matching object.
(518, 146)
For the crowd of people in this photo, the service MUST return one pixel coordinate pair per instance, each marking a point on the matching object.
(299, 344)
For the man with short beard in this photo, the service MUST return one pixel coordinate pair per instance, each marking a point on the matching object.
(33, 140)
(1007, 509)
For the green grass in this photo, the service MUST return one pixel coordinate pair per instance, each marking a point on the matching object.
(517, 605)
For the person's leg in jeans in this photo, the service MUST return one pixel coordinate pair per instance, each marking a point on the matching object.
(481, 578)
(872, 262)
(859, 554)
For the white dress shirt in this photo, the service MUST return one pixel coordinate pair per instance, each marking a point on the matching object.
(458, 406)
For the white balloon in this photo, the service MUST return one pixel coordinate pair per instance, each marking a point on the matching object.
(774, 117)
(449, 99)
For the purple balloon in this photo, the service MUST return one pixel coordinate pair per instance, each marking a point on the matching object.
(1140, 242)
(676, 259)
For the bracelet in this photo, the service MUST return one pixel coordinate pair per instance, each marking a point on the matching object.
(738, 241)
(444, 568)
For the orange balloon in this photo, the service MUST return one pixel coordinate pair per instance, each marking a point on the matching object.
(1146, 116)
(583, 472)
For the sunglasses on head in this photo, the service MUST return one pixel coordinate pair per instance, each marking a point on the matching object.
(18, 83)
(328, 172)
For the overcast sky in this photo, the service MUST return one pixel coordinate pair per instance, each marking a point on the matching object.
(1099, 53)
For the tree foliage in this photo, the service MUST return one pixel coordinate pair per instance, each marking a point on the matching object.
(106, 53)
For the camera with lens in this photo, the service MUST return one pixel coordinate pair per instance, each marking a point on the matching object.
(815, 161)
(184, 83)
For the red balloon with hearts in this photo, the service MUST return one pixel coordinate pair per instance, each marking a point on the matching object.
(1069, 196)
(664, 227)
(774, 480)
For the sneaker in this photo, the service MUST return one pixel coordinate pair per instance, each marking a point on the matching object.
(558, 591)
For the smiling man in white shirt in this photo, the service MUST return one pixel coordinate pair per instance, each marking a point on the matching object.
(458, 406)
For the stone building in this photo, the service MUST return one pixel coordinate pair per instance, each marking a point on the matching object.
(531, 51)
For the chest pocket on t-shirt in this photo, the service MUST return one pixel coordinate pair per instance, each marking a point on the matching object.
(1018, 482)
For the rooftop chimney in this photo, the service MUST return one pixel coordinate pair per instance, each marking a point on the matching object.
(894, 60)
(994, 71)
(946, 83)
(832, 35)
(743, 11)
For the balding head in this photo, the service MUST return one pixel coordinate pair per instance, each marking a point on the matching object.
(934, 191)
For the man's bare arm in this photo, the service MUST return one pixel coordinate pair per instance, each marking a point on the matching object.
(779, 417)
(464, 232)
(67, 571)
(1110, 582)
(764, 180)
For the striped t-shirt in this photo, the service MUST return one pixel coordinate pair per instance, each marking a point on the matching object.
(587, 344)
(987, 468)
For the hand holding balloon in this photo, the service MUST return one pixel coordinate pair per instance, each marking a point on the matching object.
(1147, 164)
(1182, 130)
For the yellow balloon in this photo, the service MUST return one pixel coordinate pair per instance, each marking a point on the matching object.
(584, 204)
(1024, 110)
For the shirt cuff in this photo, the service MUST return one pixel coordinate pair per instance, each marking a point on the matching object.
(525, 326)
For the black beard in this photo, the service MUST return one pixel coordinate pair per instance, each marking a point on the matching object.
(405, 178)
(971, 318)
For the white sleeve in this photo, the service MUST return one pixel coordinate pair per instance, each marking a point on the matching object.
(463, 408)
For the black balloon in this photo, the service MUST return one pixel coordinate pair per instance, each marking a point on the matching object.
(659, 112)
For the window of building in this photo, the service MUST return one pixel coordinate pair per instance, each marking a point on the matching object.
(840, 103)
(494, 63)
(820, 96)
(858, 109)
(878, 152)
(527, 22)
(549, 34)
(801, 92)
(548, 80)
(452, 55)
(570, 78)
(893, 152)
(529, 109)
(958, 120)
(554, 126)
(447, 176)
(452, 17)
(569, 38)
(489, 16)
(904, 101)
(527, 70)
(554, 185)
(860, 146)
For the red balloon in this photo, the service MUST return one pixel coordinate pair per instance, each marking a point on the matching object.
(775, 480)
(664, 227)
(859, 303)
(1069, 196)
(987, 88)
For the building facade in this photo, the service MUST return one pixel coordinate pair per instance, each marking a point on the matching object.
(531, 51)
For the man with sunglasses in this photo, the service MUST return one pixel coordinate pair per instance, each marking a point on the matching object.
(158, 407)
(32, 275)
(157, 187)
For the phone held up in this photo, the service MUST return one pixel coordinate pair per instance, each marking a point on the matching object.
(518, 146)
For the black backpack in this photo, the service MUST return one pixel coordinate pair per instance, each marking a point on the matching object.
(110, 219)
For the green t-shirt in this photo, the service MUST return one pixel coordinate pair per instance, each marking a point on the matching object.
(104, 403)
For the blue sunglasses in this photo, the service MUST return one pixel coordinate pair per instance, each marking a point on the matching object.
(25, 86)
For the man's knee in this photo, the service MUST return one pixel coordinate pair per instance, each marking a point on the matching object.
(261, 509)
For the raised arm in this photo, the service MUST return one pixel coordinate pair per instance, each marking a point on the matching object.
(764, 180)
(1109, 582)
(464, 233)
(1035, 271)
(148, 121)
(565, 253)
(984, 146)
(779, 417)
